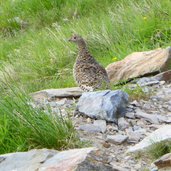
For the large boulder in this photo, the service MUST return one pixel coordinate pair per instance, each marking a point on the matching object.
(46, 160)
(139, 64)
(107, 105)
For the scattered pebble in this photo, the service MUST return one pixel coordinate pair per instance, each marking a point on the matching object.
(117, 139)
(101, 124)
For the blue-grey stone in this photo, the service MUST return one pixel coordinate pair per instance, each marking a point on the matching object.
(147, 81)
(107, 105)
(101, 124)
(90, 128)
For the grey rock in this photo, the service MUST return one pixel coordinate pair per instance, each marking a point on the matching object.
(122, 123)
(136, 127)
(130, 108)
(169, 108)
(147, 106)
(62, 102)
(106, 105)
(130, 115)
(159, 135)
(140, 122)
(116, 139)
(52, 94)
(135, 103)
(153, 127)
(101, 124)
(141, 131)
(152, 118)
(44, 159)
(165, 106)
(147, 81)
(53, 104)
(164, 94)
(117, 168)
(135, 136)
(163, 119)
(90, 128)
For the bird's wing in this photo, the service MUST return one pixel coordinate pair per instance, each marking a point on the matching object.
(92, 73)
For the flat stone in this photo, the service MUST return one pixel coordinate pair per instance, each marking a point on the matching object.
(122, 123)
(159, 135)
(135, 103)
(90, 128)
(101, 124)
(152, 118)
(164, 94)
(117, 168)
(44, 159)
(136, 127)
(164, 119)
(130, 115)
(139, 64)
(134, 136)
(116, 139)
(106, 105)
(147, 81)
(51, 94)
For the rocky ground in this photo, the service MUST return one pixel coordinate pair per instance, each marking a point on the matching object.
(141, 119)
(117, 128)
(114, 140)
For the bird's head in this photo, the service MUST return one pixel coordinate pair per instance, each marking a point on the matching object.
(76, 39)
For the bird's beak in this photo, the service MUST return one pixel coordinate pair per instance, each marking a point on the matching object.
(69, 40)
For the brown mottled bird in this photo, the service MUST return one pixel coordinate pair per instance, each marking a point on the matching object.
(88, 73)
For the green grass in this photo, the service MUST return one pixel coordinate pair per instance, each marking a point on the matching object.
(24, 127)
(35, 54)
(40, 53)
(159, 149)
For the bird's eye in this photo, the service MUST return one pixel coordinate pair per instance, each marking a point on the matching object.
(74, 37)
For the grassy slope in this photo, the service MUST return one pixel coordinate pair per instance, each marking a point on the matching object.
(40, 54)
(35, 54)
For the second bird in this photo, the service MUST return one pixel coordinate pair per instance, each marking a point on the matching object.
(88, 73)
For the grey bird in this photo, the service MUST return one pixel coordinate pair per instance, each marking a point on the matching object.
(88, 73)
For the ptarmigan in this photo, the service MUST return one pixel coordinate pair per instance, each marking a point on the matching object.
(88, 73)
